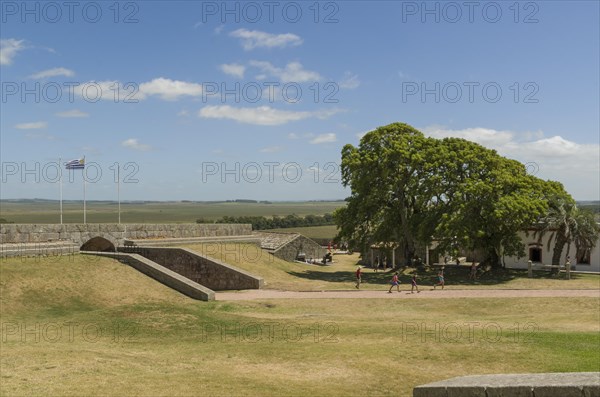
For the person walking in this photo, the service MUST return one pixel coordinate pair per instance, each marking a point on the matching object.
(358, 277)
(395, 283)
(473, 274)
(376, 264)
(440, 278)
(414, 285)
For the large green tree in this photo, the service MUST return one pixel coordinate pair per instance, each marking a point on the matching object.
(387, 202)
(408, 189)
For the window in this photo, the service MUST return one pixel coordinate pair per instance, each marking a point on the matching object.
(535, 254)
(583, 256)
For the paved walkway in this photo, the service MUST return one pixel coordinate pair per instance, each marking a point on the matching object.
(425, 294)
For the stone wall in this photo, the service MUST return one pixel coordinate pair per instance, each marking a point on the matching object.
(576, 384)
(209, 272)
(300, 244)
(115, 233)
(162, 274)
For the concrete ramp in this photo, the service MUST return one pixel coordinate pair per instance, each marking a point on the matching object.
(204, 270)
(161, 274)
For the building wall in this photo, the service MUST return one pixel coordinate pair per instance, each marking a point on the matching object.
(300, 244)
(547, 251)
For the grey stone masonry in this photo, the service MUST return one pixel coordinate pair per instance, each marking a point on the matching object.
(113, 232)
(162, 274)
(201, 269)
(564, 384)
(287, 246)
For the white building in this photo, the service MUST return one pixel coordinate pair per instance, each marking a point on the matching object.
(540, 254)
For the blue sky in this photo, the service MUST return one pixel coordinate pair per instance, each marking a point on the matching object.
(519, 77)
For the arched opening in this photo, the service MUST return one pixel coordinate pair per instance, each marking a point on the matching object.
(98, 244)
(535, 254)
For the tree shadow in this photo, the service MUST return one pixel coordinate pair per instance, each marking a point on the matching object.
(345, 276)
(460, 276)
(456, 276)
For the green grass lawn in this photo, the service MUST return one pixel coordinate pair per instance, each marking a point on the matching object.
(92, 326)
(155, 212)
(326, 232)
(293, 276)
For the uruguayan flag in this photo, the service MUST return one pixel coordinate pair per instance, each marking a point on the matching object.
(75, 164)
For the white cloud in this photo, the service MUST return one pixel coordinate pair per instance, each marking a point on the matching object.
(292, 135)
(168, 89)
(576, 165)
(8, 50)
(262, 115)
(252, 39)
(324, 138)
(349, 81)
(52, 73)
(293, 71)
(75, 113)
(133, 143)
(32, 126)
(219, 29)
(271, 149)
(487, 137)
(183, 113)
(233, 69)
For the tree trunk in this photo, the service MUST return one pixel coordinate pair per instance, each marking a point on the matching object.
(409, 252)
(494, 259)
(559, 245)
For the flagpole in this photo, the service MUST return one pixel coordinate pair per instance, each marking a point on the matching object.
(60, 182)
(84, 183)
(119, 189)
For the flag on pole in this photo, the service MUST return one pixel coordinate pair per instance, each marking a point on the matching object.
(79, 164)
(75, 164)
(60, 181)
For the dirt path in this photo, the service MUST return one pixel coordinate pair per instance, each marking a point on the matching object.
(425, 294)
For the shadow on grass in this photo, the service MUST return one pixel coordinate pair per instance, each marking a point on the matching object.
(345, 276)
(453, 276)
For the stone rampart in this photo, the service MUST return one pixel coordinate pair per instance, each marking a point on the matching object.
(162, 274)
(113, 232)
(206, 271)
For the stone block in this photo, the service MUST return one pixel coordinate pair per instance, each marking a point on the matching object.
(591, 390)
(512, 391)
(431, 391)
(558, 391)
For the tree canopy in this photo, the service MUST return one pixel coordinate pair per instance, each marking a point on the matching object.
(407, 188)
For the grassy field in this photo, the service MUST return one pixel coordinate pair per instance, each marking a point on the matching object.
(154, 212)
(93, 326)
(327, 232)
(293, 276)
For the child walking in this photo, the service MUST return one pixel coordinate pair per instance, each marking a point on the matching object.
(358, 277)
(395, 282)
(414, 284)
(440, 278)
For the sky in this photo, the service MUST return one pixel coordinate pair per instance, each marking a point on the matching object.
(196, 100)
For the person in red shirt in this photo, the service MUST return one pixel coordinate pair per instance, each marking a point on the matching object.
(395, 282)
(358, 277)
